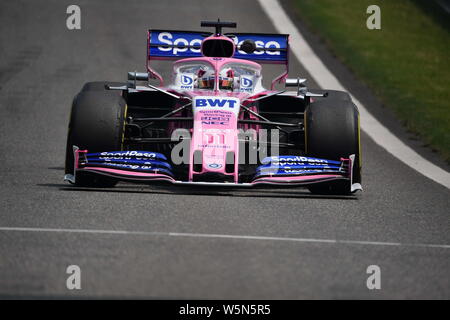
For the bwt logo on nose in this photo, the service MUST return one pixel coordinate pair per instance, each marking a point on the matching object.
(214, 102)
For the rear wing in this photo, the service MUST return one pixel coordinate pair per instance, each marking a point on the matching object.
(174, 45)
(272, 48)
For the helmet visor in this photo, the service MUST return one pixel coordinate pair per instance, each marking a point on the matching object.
(206, 83)
(226, 83)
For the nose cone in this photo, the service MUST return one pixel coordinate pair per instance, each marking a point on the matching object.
(214, 143)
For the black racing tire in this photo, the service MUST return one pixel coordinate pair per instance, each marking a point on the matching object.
(100, 86)
(96, 124)
(332, 132)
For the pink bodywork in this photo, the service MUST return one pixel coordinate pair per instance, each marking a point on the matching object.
(215, 140)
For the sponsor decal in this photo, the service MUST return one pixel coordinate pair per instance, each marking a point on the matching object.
(290, 160)
(215, 117)
(187, 44)
(214, 146)
(132, 167)
(262, 42)
(298, 165)
(295, 172)
(145, 154)
(223, 121)
(136, 161)
(178, 42)
(187, 81)
(246, 83)
(215, 102)
(321, 167)
(208, 103)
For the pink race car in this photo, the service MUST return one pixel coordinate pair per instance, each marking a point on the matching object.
(214, 123)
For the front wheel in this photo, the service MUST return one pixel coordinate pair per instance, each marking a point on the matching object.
(332, 132)
(97, 124)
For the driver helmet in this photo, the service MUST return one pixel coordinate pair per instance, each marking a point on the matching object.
(226, 79)
(205, 79)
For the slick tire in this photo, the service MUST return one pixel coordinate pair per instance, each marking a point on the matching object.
(332, 132)
(96, 124)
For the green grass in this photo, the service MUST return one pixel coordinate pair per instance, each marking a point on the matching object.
(406, 63)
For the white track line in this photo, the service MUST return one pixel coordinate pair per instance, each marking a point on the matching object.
(325, 79)
(223, 236)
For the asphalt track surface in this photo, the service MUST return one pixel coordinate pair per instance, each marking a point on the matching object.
(180, 240)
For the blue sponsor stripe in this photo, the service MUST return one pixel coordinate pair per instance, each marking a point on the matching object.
(126, 161)
(129, 154)
(295, 172)
(297, 160)
(186, 44)
(266, 47)
(130, 167)
(175, 44)
(299, 167)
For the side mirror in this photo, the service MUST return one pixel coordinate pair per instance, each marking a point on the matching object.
(299, 83)
(138, 76)
(295, 82)
(248, 46)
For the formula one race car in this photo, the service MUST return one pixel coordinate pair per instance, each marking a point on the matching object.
(214, 123)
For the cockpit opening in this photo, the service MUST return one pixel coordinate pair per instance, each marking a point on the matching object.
(232, 76)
